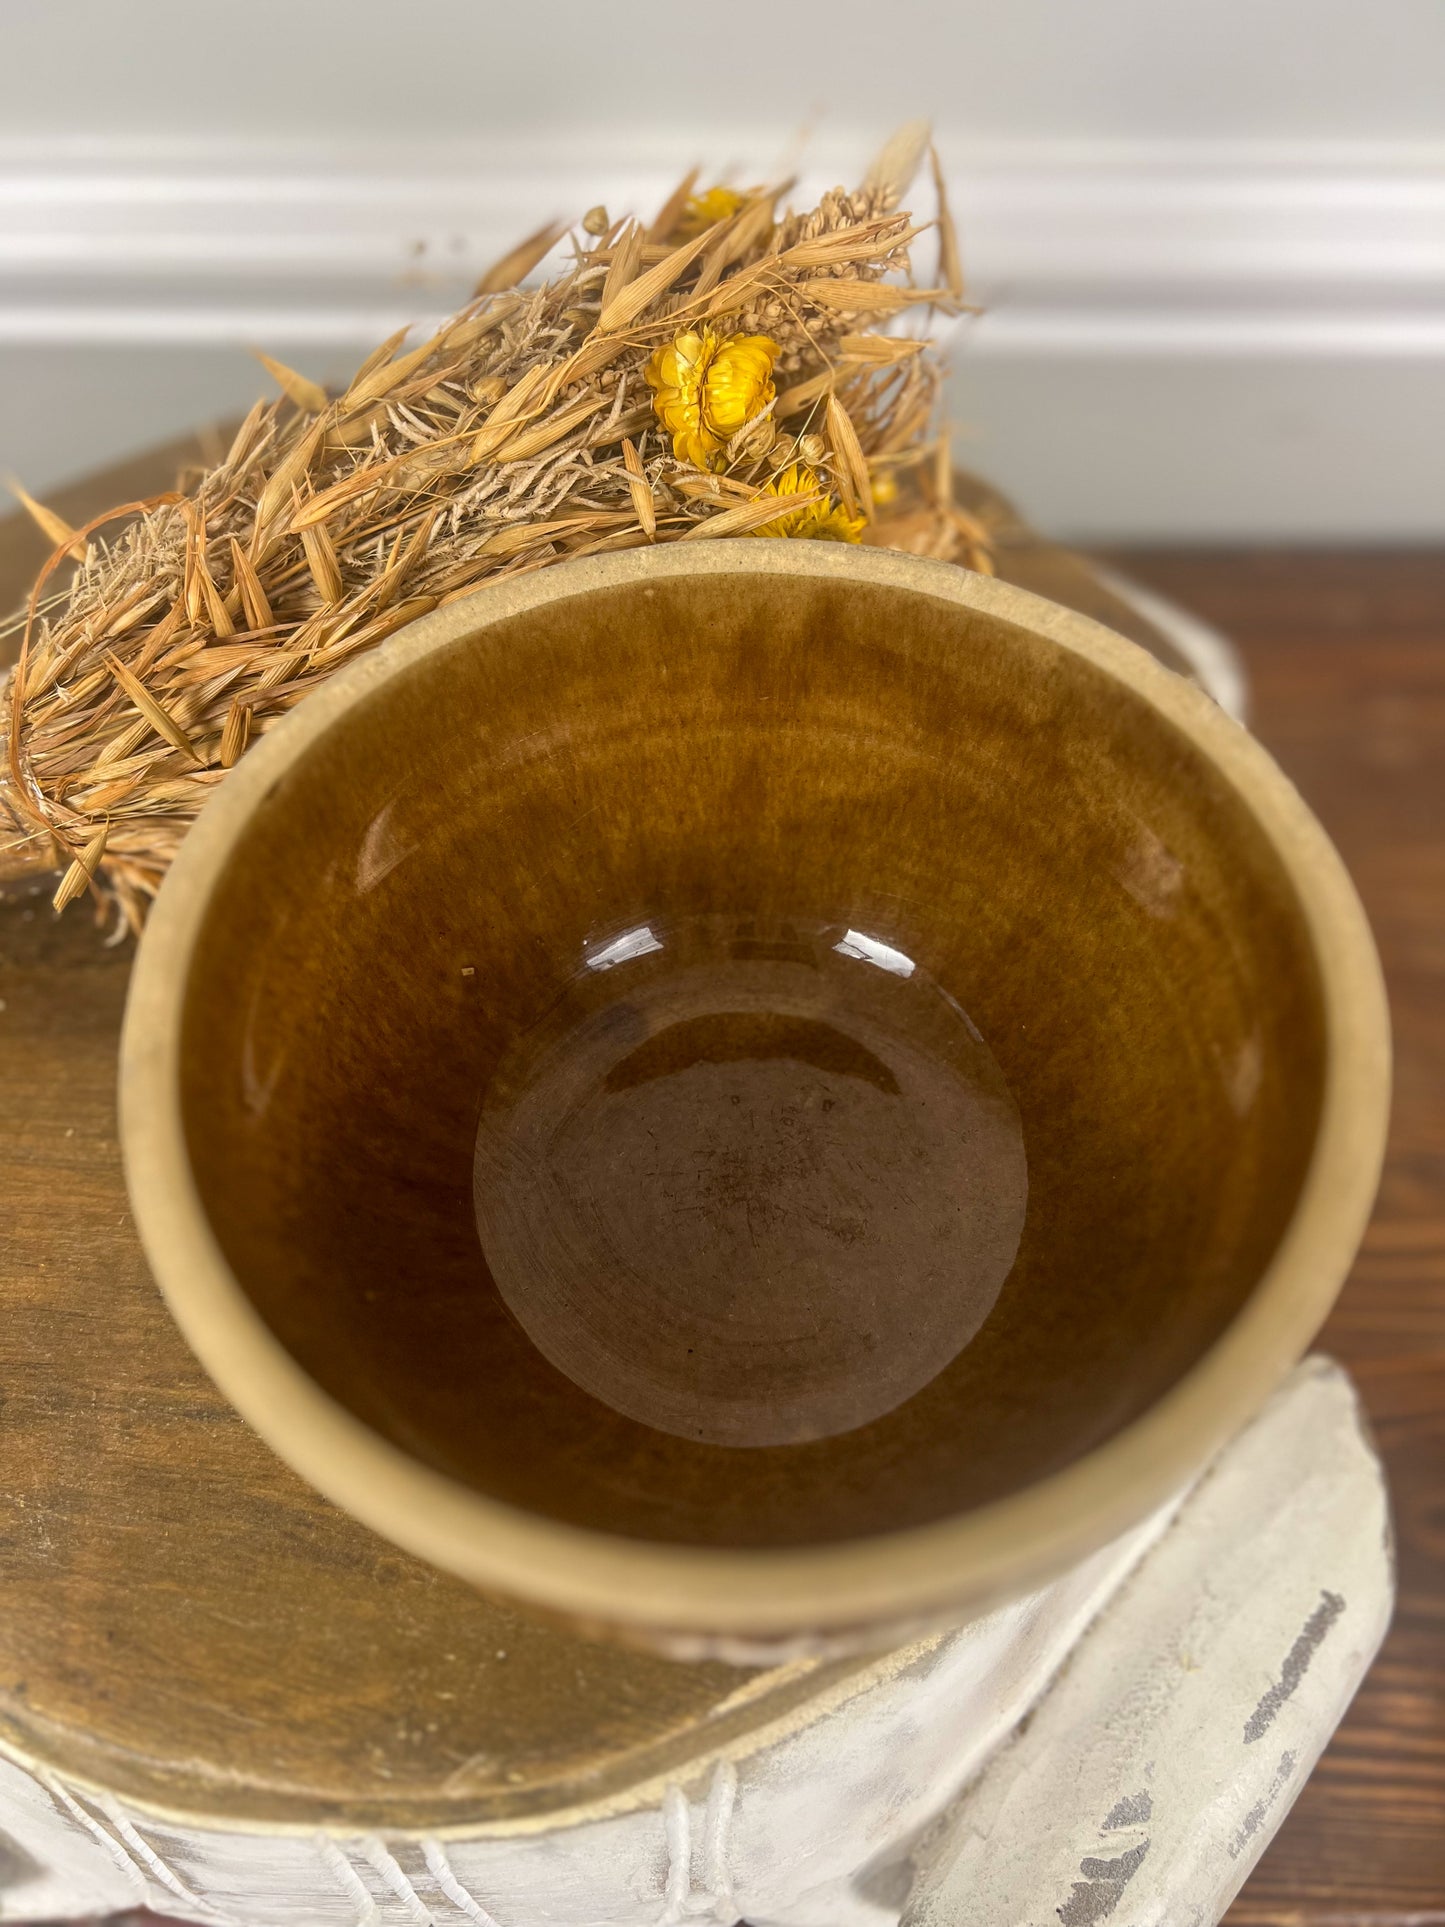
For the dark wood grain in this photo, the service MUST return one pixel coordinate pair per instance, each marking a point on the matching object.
(1346, 654)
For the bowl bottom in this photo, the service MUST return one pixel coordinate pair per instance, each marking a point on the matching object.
(750, 1181)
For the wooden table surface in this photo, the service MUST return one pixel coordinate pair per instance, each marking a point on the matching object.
(1346, 654)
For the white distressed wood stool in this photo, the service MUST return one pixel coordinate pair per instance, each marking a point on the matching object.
(1179, 1687)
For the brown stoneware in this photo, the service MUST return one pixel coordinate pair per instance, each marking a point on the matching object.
(753, 1093)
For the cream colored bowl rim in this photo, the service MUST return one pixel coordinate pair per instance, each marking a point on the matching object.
(915, 1577)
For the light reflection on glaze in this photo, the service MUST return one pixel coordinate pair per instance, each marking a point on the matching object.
(638, 942)
(258, 1087)
(1243, 1077)
(873, 950)
(381, 850)
(1152, 874)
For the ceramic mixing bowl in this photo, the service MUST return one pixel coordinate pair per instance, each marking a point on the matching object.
(753, 1094)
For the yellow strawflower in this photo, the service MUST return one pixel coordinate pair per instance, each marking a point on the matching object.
(739, 383)
(707, 387)
(706, 210)
(825, 521)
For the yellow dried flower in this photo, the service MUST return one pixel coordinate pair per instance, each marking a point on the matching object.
(739, 384)
(825, 521)
(707, 388)
(706, 210)
(675, 374)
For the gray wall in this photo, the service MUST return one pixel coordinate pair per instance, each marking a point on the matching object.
(1050, 69)
(1211, 239)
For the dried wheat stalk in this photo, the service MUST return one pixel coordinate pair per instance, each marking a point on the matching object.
(523, 432)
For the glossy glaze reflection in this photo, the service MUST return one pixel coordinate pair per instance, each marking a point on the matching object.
(753, 1181)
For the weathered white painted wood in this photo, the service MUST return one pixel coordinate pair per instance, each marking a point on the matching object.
(1157, 1767)
(1213, 1651)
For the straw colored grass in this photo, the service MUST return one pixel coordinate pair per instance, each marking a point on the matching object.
(521, 433)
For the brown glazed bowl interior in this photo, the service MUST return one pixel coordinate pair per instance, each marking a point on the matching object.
(764, 757)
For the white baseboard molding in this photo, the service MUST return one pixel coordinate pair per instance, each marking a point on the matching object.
(1182, 248)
